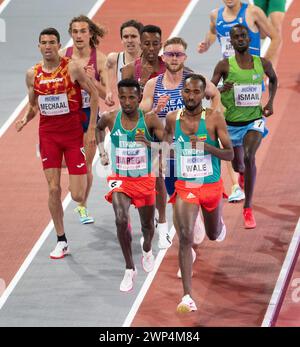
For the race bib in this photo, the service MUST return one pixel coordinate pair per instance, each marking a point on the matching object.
(53, 105)
(259, 124)
(113, 184)
(247, 94)
(196, 166)
(131, 158)
(227, 48)
(85, 99)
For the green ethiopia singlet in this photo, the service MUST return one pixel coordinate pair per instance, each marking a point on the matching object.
(129, 158)
(242, 102)
(196, 165)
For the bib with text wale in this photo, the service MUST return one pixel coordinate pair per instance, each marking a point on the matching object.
(131, 158)
(246, 95)
(227, 48)
(53, 105)
(196, 166)
(85, 99)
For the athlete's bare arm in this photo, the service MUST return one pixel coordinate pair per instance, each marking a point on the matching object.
(78, 74)
(221, 72)
(128, 71)
(32, 102)
(216, 126)
(148, 95)
(269, 71)
(154, 125)
(265, 27)
(211, 35)
(106, 120)
(101, 85)
(212, 92)
(111, 73)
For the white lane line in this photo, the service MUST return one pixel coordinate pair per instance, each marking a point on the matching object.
(50, 226)
(23, 103)
(30, 256)
(280, 287)
(189, 9)
(142, 293)
(3, 5)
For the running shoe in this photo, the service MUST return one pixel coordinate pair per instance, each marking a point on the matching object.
(147, 258)
(241, 180)
(194, 258)
(84, 215)
(61, 249)
(222, 234)
(187, 305)
(127, 281)
(164, 240)
(249, 220)
(237, 194)
(199, 230)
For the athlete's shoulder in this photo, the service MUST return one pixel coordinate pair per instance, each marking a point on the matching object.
(214, 14)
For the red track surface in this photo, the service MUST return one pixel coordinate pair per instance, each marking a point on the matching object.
(233, 281)
(24, 189)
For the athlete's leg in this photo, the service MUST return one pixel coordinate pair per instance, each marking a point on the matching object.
(121, 203)
(185, 217)
(77, 186)
(147, 222)
(213, 221)
(251, 143)
(276, 19)
(89, 157)
(238, 160)
(54, 200)
(161, 199)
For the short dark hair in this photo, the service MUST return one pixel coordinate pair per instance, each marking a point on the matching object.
(195, 77)
(50, 31)
(131, 23)
(129, 83)
(151, 29)
(238, 26)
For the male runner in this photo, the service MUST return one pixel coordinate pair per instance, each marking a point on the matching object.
(197, 133)
(85, 51)
(170, 84)
(130, 32)
(54, 87)
(221, 21)
(241, 96)
(148, 66)
(132, 181)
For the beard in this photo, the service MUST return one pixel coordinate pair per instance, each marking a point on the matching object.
(192, 108)
(173, 69)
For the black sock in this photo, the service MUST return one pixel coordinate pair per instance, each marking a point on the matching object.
(62, 238)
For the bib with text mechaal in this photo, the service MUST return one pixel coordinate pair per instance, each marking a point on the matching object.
(53, 105)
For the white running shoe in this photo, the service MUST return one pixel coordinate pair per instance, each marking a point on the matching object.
(164, 240)
(61, 249)
(237, 194)
(199, 230)
(127, 281)
(148, 260)
(187, 305)
(222, 234)
(194, 258)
